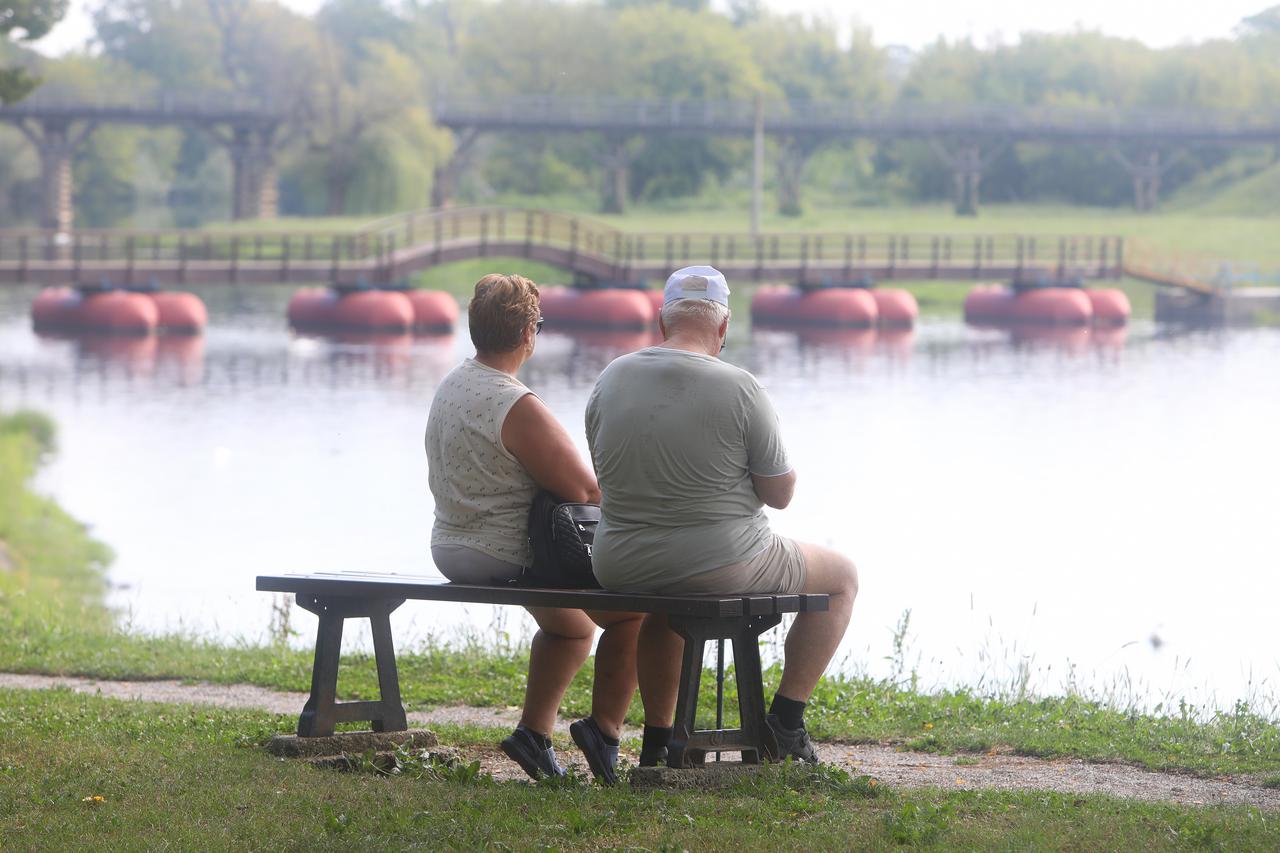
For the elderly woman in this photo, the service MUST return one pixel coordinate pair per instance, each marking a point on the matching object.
(491, 443)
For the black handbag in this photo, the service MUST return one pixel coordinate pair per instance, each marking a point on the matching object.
(561, 535)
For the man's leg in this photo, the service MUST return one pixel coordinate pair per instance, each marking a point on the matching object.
(658, 657)
(658, 654)
(814, 637)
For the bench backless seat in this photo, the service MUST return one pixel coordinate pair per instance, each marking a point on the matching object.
(336, 597)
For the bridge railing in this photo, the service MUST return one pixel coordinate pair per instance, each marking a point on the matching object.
(397, 245)
(543, 111)
(507, 230)
(168, 247)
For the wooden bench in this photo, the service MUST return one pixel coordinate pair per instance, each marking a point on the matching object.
(334, 598)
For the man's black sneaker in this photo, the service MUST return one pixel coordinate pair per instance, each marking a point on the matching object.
(659, 756)
(602, 757)
(525, 748)
(792, 743)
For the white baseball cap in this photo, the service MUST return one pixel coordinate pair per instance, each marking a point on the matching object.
(696, 283)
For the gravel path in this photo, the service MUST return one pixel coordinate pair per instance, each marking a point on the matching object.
(890, 765)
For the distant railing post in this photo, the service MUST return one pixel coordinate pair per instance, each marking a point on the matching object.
(22, 258)
(235, 259)
(484, 234)
(286, 244)
(934, 253)
(848, 257)
(128, 255)
(1018, 254)
(1062, 255)
(893, 255)
(333, 259)
(182, 257)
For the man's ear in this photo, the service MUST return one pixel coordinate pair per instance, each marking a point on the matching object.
(724, 329)
(662, 327)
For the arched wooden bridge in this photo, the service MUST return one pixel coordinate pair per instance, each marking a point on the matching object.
(394, 248)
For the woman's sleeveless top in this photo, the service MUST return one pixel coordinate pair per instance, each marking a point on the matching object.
(482, 493)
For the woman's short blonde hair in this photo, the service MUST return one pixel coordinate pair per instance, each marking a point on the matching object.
(501, 309)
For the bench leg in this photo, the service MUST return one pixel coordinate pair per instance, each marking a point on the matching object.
(323, 712)
(750, 682)
(678, 752)
(393, 717)
(317, 719)
(753, 739)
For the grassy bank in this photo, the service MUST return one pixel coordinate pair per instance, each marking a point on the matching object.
(80, 772)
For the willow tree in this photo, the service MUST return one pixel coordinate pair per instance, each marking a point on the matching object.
(25, 20)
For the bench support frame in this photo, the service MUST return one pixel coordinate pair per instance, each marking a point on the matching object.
(754, 739)
(323, 712)
(689, 746)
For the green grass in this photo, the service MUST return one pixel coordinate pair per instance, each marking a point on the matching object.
(57, 571)
(188, 778)
(460, 277)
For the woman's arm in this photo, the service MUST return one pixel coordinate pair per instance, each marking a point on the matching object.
(537, 440)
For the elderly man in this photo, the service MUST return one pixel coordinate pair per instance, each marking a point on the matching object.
(688, 452)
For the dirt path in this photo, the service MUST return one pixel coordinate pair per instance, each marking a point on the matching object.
(890, 765)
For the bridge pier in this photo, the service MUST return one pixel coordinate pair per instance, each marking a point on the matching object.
(445, 182)
(55, 143)
(616, 161)
(254, 189)
(967, 164)
(793, 157)
(1147, 170)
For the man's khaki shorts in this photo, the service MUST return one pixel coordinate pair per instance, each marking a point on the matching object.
(778, 569)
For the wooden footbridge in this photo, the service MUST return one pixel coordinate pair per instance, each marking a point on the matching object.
(392, 249)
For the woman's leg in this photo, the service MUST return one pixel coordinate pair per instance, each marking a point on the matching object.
(615, 678)
(560, 647)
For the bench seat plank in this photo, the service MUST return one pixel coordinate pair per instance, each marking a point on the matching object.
(429, 588)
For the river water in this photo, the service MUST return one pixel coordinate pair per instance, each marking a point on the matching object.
(1096, 513)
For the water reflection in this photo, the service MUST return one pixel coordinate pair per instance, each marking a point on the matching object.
(1005, 486)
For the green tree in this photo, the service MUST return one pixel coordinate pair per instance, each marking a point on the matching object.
(25, 20)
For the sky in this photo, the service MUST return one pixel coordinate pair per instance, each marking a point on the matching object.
(914, 24)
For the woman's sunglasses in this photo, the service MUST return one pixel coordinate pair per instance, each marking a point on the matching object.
(537, 326)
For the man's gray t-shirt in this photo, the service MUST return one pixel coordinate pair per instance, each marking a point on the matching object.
(675, 437)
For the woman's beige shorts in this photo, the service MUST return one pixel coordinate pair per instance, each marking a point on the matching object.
(778, 569)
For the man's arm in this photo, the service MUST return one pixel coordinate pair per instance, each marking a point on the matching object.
(775, 491)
